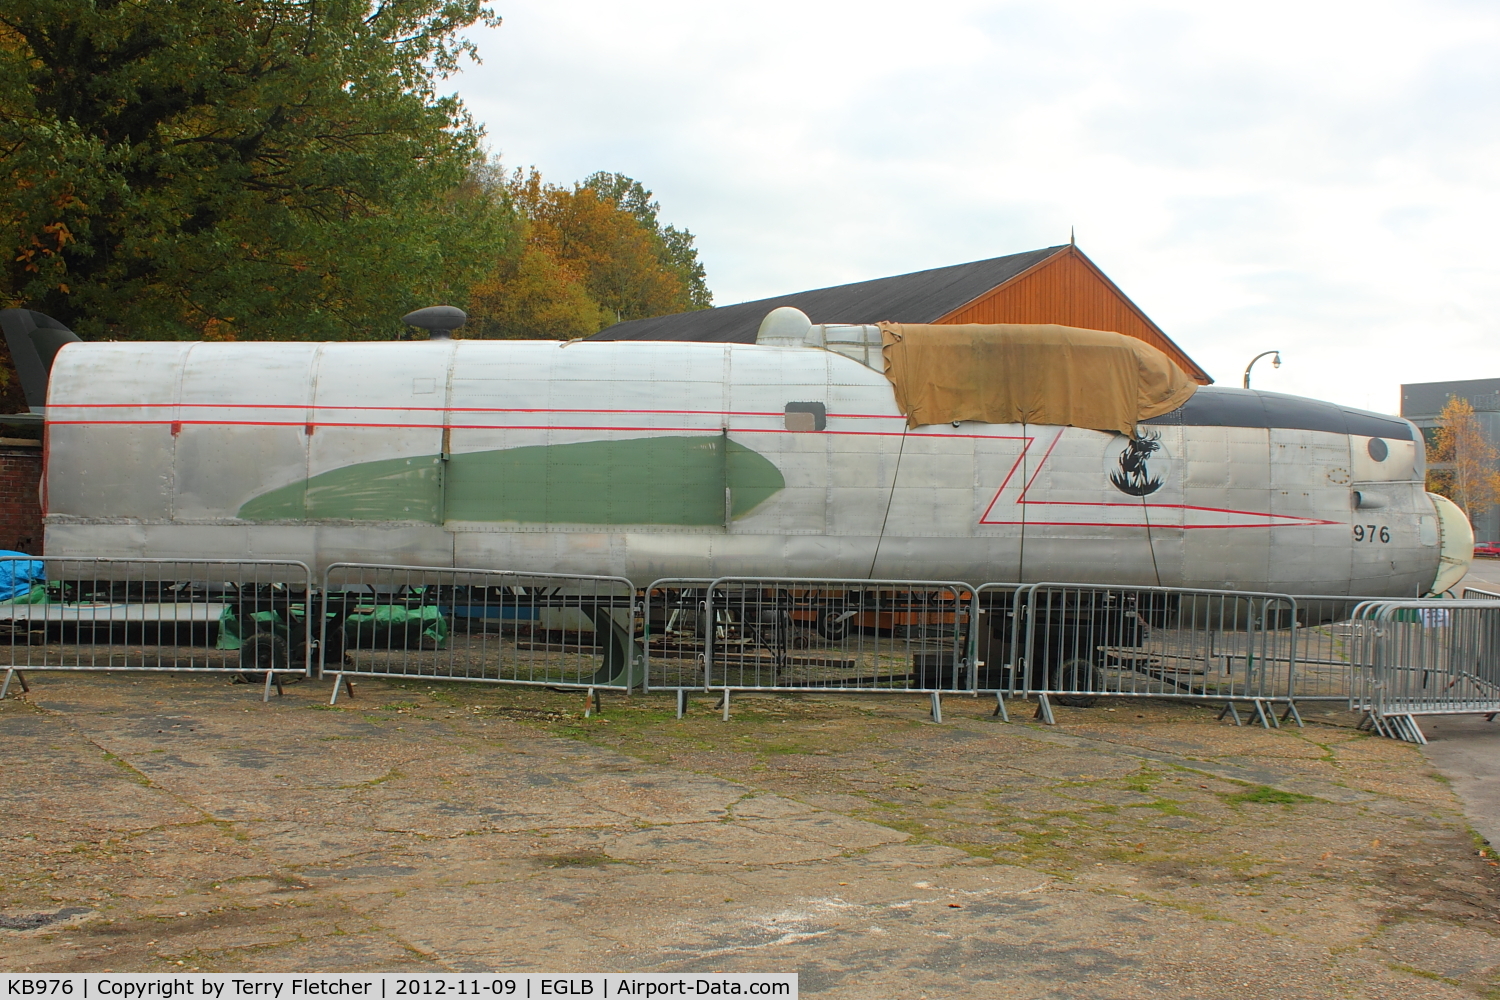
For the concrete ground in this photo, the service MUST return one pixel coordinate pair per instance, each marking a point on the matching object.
(1137, 850)
(1466, 750)
(1483, 573)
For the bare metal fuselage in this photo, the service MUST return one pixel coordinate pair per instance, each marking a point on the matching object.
(654, 460)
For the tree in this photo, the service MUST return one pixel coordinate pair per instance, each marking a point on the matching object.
(594, 254)
(675, 251)
(277, 169)
(1468, 476)
(532, 296)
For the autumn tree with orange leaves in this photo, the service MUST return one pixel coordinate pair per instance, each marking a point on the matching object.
(1467, 475)
(590, 255)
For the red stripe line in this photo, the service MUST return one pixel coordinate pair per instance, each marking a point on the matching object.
(1039, 465)
(1184, 527)
(456, 409)
(407, 409)
(1170, 506)
(1014, 466)
(508, 427)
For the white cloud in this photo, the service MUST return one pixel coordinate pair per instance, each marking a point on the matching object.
(1318, 176)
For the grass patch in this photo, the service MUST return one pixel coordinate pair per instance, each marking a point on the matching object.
(1266, 795)
(577, 859)
(130, 772)
(1412, 970)
(1171, 807)
(1142, 781)
(390, 775)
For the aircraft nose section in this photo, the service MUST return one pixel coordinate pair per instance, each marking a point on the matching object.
(1455, 544)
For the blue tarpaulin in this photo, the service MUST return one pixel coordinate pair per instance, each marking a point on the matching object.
(17, 575)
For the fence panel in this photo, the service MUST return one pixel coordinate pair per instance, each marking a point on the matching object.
(674, 634)
(115, 614)
(838, 635)
(999, 636)
(1431, 657)
(1475, 594)
(480, 625)
(1328, 636)
(1077, 643)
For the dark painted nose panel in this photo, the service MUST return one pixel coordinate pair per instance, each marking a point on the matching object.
(1217, 406)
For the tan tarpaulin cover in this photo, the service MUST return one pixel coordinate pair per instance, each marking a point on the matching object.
(1029, 373)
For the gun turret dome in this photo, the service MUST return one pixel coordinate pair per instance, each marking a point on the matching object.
(438, 321)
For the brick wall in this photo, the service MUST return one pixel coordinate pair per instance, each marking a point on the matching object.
(20, 507)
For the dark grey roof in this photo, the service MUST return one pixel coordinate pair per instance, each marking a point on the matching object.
(1427, 399)
(919, 297)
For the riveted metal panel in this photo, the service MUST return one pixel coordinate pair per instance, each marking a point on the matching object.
(242, 426)
(111, 411)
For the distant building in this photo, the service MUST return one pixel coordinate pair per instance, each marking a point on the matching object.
(1053, 285)
(1422, 402)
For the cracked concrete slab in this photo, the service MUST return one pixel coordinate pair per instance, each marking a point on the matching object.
(1143, 852)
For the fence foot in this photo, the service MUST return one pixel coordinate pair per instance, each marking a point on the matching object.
(1230, 711)
(592, 703)
(4, 688)
(348, 685)
(937, 707)
(1489, 716)
(1399, 727)
(681, 703)
(1000, 710)
(1367, 722)
(1292, 713)
(1267, 719)
(271, 678)
(1410, 731)
(1044, 710)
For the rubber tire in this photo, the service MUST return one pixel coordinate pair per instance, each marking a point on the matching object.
(1069, 674)
(260, 652)
(829, 626)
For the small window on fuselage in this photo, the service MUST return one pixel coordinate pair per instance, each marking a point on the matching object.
(803, 417)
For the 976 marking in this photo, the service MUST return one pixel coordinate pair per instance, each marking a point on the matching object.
(1372, 533)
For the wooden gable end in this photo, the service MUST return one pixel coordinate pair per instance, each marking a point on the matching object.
(1069, 289)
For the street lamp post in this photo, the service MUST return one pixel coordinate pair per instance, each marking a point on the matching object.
(1275, 363)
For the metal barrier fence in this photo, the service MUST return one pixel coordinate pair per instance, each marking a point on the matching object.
(1427, 657)
(479, 625)
(244, 616)
(1055, 642)
(674, 636)
(1326, 639)
(809, 634)
(1073, 644)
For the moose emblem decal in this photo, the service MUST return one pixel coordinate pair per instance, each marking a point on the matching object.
(1132, 473)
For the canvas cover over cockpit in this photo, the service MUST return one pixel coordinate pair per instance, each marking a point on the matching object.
(1032, 373)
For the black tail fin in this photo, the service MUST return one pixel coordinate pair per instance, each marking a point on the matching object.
(34, 339)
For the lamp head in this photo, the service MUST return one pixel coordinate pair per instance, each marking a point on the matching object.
(1276, 360)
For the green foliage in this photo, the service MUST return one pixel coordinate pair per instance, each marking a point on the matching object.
(223, 169)
(592, 255)
(1267, 795)
(673, 247)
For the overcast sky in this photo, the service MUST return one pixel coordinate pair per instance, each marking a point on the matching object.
(1318, 177)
